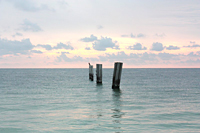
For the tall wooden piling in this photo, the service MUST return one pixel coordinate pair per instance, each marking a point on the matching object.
(117, 75)
(99, 73)
(90, 72)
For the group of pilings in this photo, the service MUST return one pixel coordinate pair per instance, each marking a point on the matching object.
(98, 73)
(116, 74)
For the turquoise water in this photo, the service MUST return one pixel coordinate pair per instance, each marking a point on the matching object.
(64, 100)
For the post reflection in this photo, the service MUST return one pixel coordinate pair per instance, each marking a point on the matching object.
(117, 112)
(99, 108)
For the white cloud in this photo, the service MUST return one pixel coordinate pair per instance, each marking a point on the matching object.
(29, 26)
(113, 57)
(124, 35)
(160, 35)
(46, 46)
(36, 51)
(171, 47)
(29, 5)
(193, 46)
(167, 56)
(157, 47)
(104, 43)
(192, 54)
(137, 46)
(87, 48)
(17, 34)
(63, 46)
(140, 35)
(63, 57)
(58, 46)
(132, 36)
(62, 3)
(191, 62)
(99, 27)
(89, 39)
(15, 47)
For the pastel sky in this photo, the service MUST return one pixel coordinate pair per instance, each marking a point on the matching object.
(71, 33)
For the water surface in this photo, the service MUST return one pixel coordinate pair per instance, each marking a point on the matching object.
(64, 100)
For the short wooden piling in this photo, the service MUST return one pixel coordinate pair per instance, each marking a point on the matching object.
(99, 73)
(90, 72)
(117, 75)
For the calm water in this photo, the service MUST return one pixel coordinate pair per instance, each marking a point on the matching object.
(64, 100)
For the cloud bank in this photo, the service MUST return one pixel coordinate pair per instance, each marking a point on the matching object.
(15, 47)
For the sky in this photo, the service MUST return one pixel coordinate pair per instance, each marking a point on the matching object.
(71, 33)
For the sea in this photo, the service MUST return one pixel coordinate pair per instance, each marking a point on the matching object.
(152, 100)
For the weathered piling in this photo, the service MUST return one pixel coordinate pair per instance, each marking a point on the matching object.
(90, 72)
(117, 75)
(99, 73)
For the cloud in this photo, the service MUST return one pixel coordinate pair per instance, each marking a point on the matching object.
(17, 34)
(140, 35)
(166, 56)
(58, 46)
(29, 26)
(191, 54)
(160, 35)
(99, 27)
(146, 57)
(136, 59)
(157, 47)
(63, 46)
(29, 6)
(87, 48)
(46, 46)
(191, 61)
(104, 43)
(120, 56)
(192, 42)
(192, 46)
(15, 47)
(36, 51)
(171, 47)
(137, 46)
(132, 36)
(62, 3)
(124, 35)
(141, 58)
(63, 57)
(89, 39)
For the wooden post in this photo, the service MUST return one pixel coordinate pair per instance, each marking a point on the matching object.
(117, 75)
(90, 72)
(99, 73)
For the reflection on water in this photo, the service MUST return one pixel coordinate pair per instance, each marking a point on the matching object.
(117, 111)
(99, 86)
(99, 100)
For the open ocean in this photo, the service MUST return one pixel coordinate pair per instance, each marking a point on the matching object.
(65, 100)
